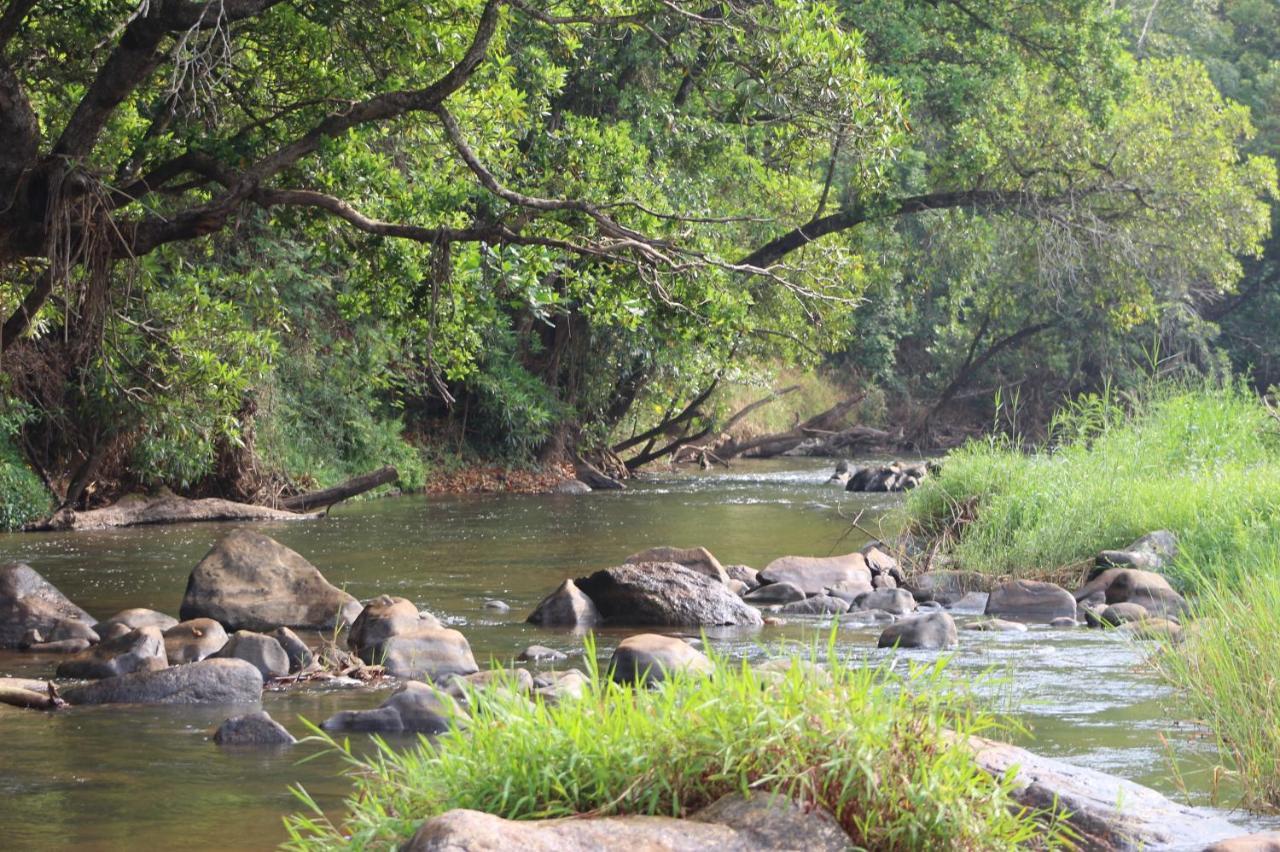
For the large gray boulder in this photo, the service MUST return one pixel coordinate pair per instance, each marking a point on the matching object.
(697, 559)
(32, 608)
(567, 606)
(896, 601)
(136, 651)
(248, 581)
(761, 823)
(193, 640)
(815, 574)
(1131, 585)
(774, 593)
(665, 594)
(1032, 601)
(263, 652)
(252, 729)
(415, 708)
(384, 617)
(648, 658)
(205, 682)
(431, 653)
(931, 632)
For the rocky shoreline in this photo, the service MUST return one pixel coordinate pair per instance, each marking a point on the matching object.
(247, 597)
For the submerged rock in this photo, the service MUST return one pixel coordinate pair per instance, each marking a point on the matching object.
(931, 632)
(567, 606)
(541, 654)
(996, 625)
(248, 581)
(30, 604)
(1030, 600)
(253, 729)
(867, 618)
(664, 594)
(815, 574)
(193, 640)
(648, 658)
(136, 651)
(217, 681)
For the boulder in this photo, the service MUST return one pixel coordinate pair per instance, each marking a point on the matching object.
(1153, 628)
(206, 682)
(738, 587)
(743, 573)
(883, 581)
(252, 729)
(384, 617)
(414, 708)
(761, 823)
(263, 652)
(30, 603)
(1267, 841)
(432, 653)
(1122, 613)
(817, 605)
(555, 687)
(694, 558)
(973, 603)
(1032, 601)
(194, 640)
(815, 574)
(947, 587)
(497, 605)
(567, 606)
(931, 632)
(63, 646)
(774, 593)
(664, 594)
(110, 630)
(541, 654)
(1153, 552)
(248, 581)
(647, 658)
(135, 618)
(571, 486)
(896, 601)
(882, 564)
(300, 655)
(136, 651)
(1131, 585)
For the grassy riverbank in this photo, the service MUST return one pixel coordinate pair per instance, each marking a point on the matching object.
(1202, 462)
(869, 744)
(1199, 461)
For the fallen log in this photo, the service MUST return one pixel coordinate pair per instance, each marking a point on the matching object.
(352, 487)
(29, 699)
(777, 443)
(596, 478)
(165, 508)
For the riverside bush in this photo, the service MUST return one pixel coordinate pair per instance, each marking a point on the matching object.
(1200, 461)
(23, 497)
(872, 745)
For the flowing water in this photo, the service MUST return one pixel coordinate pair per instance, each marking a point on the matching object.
(129, 778)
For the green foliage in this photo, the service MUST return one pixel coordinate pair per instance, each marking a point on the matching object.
(23, 497)
(872, 744)
(1198, 461)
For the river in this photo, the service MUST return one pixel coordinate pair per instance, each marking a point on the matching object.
(128, 778)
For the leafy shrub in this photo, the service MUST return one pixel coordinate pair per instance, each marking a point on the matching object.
(23, 497)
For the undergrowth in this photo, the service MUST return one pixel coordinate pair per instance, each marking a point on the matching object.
(873, 745)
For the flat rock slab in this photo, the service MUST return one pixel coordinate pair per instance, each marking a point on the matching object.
(815, 574)
(732, 824)
(1108, 812)
(220, 681)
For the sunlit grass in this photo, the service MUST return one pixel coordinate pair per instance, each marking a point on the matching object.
(874, 746)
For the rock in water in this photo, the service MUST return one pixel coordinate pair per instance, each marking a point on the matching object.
(648, 658)
(206, 682)
(773, 821)
(774, 593)
(248, 581)
(29, 602)
(1030, 600)
(694, 558)
(665, 594)
(896, 601)
(135, 618)
(384, 617)
(263, 652)
(194, 640)
(815, 574)
(931, 632)
(136, 651)
(252, 729)
(817, 605)
(567, 606)
(300, 655)
(415, 708)
(390, 632)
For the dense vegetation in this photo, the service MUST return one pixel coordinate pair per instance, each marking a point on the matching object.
(870, 744)
(253, 245)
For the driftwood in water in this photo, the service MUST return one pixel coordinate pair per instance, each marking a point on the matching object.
(352, 487)
(777, 443)
(165, 508)
(29, 699)
(596, 478)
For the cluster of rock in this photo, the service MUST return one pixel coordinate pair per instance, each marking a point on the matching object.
(895, 476)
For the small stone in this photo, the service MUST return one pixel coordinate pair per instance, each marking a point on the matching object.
(497, 605)
(996, 625)
(774, 593)
(541, 654)
(252, 729)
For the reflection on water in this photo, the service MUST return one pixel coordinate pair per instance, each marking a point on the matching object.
(107, 778)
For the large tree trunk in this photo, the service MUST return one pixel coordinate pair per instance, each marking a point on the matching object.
(329, 496)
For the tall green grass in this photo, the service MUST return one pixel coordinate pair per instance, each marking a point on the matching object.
(873, 746)
(1201, 461)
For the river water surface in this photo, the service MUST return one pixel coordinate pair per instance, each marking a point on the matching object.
(136, 778)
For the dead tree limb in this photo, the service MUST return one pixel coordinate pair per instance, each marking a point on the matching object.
(777, 443)
(338, 493)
